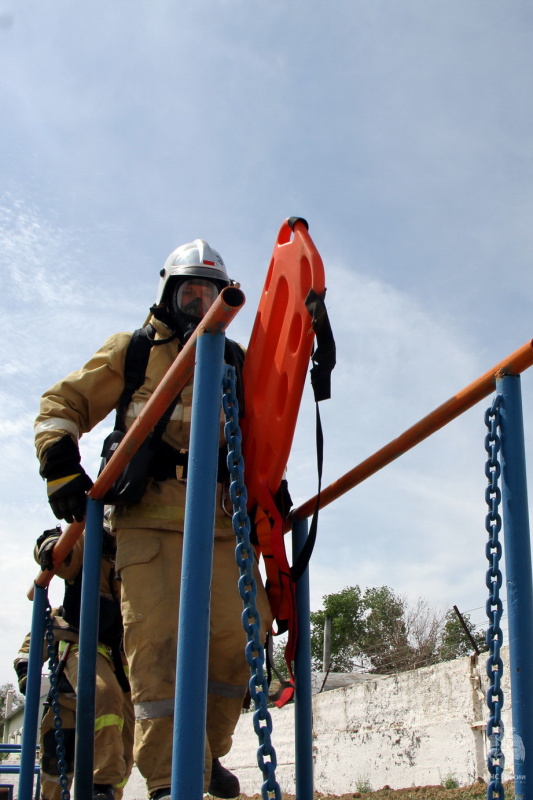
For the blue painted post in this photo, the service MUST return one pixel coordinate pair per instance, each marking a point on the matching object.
(303, 699)
(90, 604)
(33, 694)
(197, 564)
(518, 577)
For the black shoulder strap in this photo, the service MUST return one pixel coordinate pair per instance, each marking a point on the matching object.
(72, 601)
(137, 356)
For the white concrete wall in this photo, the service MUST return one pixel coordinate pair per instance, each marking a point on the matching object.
(412, 729)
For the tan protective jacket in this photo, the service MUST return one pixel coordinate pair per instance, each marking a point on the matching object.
(84, 398)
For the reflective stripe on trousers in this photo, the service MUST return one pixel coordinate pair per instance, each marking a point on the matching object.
(107, 720)
(154, 709)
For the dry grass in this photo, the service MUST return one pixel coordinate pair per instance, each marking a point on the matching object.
(475, 792)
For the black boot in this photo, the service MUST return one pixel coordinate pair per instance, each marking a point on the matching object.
(224, 783)
(161, 794)
(103, 791)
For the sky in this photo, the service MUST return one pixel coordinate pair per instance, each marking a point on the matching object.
(401, 131)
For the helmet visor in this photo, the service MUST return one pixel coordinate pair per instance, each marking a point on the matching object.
(195, 297)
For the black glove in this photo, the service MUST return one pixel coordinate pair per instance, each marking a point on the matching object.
(22, 673)
(67, 481)
(45, 544)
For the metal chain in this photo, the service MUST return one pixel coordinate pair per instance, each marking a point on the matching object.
(53, 665)
(244, 555)
(494, 607)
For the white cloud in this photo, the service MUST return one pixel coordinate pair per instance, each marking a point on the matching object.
(402, 131)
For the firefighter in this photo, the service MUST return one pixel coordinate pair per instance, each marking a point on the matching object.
(149, 531)
(50, 773)
(114, 723)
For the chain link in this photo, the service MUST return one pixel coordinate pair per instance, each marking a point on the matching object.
(244, 555)
(53, 665)
(494, 607)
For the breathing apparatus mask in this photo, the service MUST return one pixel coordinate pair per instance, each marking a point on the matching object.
(189, 302)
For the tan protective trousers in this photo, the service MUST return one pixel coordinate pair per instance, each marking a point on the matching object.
(149, 563)
(113, 738)
(50, 786)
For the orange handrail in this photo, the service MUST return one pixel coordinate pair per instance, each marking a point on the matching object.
(514, 364)
(217, 319)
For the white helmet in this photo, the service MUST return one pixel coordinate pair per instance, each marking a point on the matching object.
(195, 259)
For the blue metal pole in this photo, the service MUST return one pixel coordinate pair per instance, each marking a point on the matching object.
(90, 604)
(518, 577)
(14, 769)
(33, 694)
(303, 697)
(197, 565)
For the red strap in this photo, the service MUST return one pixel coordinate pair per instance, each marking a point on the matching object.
(280, 587)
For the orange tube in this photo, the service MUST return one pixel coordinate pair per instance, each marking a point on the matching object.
(217, 319)
(514, 364)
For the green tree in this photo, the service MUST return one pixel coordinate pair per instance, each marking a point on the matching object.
(384, 633)
(385, 641)
(455, 641)
(367, 629)
(346, 611)
(378, 630)
(278, 655)
(18, 700)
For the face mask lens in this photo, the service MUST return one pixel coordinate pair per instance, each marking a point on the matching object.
(196, 296)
